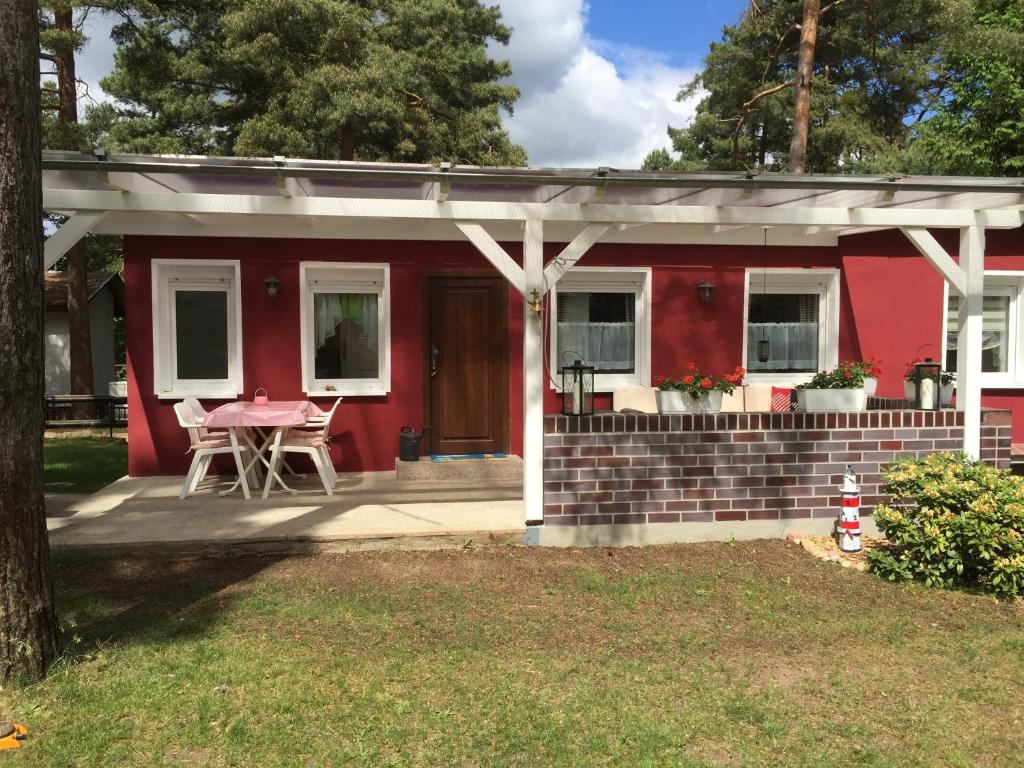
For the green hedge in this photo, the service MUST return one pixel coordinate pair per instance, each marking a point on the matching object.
(952, 521)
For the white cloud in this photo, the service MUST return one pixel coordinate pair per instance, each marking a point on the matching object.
(579, 108)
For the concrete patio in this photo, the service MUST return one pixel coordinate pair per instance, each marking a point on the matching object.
(370, 510)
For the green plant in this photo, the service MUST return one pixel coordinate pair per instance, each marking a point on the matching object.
(697, 384)
(847, 375)
(871, 367)
(952, 521)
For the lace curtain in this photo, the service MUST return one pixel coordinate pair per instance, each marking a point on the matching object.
(792, 346)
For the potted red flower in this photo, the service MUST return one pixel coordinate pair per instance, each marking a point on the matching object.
(695, 391)
(872, 371)
(838, 390)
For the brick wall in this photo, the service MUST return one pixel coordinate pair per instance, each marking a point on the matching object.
(616, 468)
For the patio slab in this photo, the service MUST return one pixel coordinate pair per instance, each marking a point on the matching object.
(368, 511)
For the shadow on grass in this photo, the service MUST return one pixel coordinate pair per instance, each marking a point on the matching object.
(103, 600)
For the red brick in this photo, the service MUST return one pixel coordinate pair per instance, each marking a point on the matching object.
(730, 515)
(663, 517)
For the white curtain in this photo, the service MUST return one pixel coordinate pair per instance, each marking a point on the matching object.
(792, 346)
(332, 308)
(606, 346)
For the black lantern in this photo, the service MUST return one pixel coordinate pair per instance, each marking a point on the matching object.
(706, 290)
(928, 385)
(577, 389)
(271, 285)
(763, 350)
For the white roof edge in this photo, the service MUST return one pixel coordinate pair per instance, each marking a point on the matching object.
(600, 177)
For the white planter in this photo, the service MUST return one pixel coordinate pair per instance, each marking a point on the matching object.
(812, 400)
(870, 386)
(910, 392)
(117, 389)
(673, 401)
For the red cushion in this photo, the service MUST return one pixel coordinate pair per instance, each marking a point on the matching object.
(781, 399)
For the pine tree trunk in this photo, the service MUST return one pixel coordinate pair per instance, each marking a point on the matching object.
(28, 625)
(347, 148)
(78, 287)
(805, 74)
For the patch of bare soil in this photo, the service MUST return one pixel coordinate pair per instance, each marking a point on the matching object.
(827, 548)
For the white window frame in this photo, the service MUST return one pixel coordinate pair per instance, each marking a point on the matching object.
(824, 282)
(170, 275)
(608, 280)
(999, 282)
(345, 277)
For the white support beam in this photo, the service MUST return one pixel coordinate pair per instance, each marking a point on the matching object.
(494, 253)
(572, 253)
(289, 186)
(533, 375)
(936, 255)
(481, 211)
(968, 355)
(64, 239)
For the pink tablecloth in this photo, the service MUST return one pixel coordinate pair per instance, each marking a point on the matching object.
(277, 413)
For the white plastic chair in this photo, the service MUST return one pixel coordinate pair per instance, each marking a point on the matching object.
(314, 442)
(204, 446)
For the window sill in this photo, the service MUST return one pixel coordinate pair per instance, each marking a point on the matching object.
(606, 384)
(348, 392)
(207, 394)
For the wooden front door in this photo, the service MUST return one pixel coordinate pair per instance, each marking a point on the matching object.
(467, 364)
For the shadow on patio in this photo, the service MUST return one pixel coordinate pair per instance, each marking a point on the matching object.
(368, 510)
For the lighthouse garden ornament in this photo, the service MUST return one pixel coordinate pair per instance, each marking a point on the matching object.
(695, 391)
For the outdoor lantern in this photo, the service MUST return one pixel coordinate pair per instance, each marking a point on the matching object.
(577, 389)
(928, 383)
(706, 291)
(271, 284)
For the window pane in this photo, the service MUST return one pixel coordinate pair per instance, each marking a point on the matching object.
(201, 334)
(345, 336)
(600, 328)
(788, 324)
(995, 333)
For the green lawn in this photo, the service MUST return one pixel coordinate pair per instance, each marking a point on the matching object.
(83, 464)
(714, 654)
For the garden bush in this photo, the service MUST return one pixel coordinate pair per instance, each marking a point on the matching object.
(952, 521)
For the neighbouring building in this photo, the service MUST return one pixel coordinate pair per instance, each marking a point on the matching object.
(106, 306)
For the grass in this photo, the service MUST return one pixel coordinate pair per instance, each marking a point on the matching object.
(714, 654)
(83, 464)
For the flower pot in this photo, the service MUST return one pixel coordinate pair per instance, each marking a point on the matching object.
(117, 388)
(910, 392)
(870, 386)
(674, 401)
(812, 400)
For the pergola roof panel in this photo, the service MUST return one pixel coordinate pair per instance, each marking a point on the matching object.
(650, 204)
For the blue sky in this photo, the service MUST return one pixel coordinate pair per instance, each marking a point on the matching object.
(679, 29)
(598, 78)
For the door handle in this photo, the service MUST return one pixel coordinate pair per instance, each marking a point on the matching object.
(435, 359)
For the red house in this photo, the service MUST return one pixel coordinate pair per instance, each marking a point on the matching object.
(450, 296)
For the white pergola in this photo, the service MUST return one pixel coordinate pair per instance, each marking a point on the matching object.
(278, 197)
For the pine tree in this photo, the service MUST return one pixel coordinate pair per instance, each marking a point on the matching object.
(399, 80)
(874, 76)
(28, 626)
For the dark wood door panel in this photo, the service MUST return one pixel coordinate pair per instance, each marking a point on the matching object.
(467, 351)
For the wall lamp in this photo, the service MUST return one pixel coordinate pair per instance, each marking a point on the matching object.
(706, 290)
(272, 285)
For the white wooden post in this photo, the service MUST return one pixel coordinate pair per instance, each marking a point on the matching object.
(968, 354)
(533, 375)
